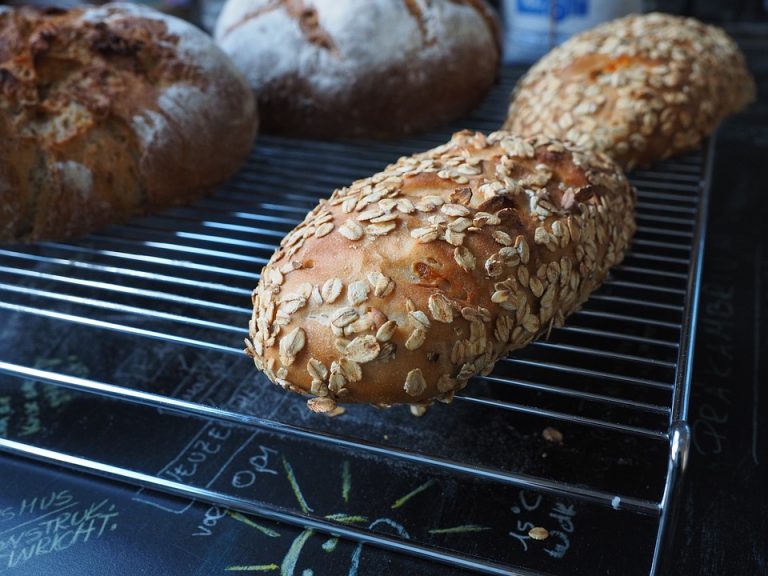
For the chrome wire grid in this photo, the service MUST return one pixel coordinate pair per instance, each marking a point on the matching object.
(156, 310)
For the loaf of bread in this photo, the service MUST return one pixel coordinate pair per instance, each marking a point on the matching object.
(640, 88)
(110, 112)
(404, 285)
(361, 68)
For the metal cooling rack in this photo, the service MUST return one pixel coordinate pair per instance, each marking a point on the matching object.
(155, 311)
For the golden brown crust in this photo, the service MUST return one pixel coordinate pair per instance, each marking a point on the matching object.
(110, 112)
(401, 287)
(335, 68)
(641, 88)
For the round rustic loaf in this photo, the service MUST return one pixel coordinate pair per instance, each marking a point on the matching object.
(440, 265)
(110, 112)
(640, 88)
(361, 68)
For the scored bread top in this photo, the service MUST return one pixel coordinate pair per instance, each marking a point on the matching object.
(639, 88)
(336, 68)
(402, 286)
(109, 111)
(331, 42)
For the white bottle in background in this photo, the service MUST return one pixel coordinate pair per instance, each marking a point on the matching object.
(532, 27)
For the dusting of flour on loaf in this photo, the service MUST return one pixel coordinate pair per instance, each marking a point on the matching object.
(180, 103)
(193, 46)
(272, 46)
(183, 103)
(148, 127)
(177, 105)
(75, 176)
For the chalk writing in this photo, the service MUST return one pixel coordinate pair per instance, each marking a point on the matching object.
(30, 420)
(200, 463)
(561, 547)
(5, 414)
(214, 447)
(718, 324)
(211, 517)
(713, 412)
(707, 430)
(245, 396)
(56, 397)
(205, 446)
(259, 464)
(202, 379)
(297, 412)
(48, 503)
(529, 508)
(62, 523)
(399, 529)
(527, 503)
(23, 414)
(564, 516)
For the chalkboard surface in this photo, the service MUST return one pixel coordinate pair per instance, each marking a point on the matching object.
(54, 522)
(724, 526)
(432, 507)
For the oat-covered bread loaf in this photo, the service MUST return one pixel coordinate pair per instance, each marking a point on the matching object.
(404, 285)
(109, 112)
(361, 68)
(639, 88)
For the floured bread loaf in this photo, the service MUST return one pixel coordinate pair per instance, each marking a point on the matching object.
(641, 88)
(361, 68)
(401, 287)
(110, 112)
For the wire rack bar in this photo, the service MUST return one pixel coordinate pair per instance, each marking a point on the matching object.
(264, 510)
(149, 399)
(592, 373)
(185, 271)
(578, 394)
(141, 274)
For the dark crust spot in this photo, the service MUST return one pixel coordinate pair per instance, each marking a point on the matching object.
(40, 41)
(108, 43)
(497, 204)
(309, 22)
(510, 219)
(550, 157)
(54, 60)
(585, 193)
(430, 277)
(52, 11)
(7, 80)
(492, 205)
